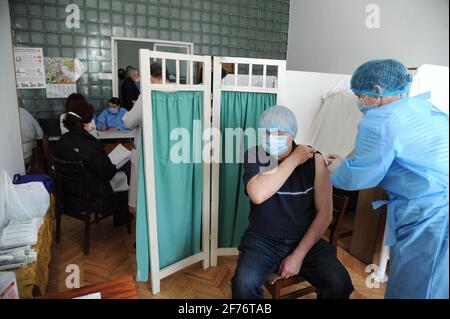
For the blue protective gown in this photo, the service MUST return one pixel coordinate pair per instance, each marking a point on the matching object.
(112, 120)
(403, 147)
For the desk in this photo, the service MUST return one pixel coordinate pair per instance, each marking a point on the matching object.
(109, 139)
(103, 136)
(122, 288)
(107, 135)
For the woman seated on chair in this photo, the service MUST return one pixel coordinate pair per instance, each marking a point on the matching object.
(72, 98)
(79, 145)
(290, 209)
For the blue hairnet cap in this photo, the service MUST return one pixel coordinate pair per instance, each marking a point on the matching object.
(381, 78)
(279, 118)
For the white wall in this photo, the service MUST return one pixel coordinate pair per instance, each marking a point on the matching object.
(303, 95)
(11, 156)
(331, 36)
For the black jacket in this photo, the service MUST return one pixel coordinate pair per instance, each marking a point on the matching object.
(79, 145)
(129, 92)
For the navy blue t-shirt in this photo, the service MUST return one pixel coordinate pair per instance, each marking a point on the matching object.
(290, 211)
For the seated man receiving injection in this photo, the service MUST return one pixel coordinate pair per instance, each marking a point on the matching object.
(290, 208)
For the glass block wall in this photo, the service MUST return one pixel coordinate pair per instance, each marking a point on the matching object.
(244, 28)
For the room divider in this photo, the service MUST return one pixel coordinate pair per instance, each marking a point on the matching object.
(191, 202)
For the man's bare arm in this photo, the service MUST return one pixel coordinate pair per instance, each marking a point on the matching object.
(264, 185)
(323, 198)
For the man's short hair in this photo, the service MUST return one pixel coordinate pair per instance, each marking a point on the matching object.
(131, 71)
(114, 101)
(156, 70)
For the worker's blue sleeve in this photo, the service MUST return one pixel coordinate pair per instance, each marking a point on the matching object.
(101, 119)
(368, 165)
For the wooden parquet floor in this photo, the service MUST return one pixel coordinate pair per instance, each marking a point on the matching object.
(112, 255)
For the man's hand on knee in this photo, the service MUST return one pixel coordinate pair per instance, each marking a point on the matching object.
(290, 266)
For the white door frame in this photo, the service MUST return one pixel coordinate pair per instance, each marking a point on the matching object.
(147, 125)
(217, 90)
(114, 55)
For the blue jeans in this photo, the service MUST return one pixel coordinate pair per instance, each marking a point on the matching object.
(260, 256)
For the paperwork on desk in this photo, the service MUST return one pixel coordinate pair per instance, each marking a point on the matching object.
(119, 182)
(119, 156)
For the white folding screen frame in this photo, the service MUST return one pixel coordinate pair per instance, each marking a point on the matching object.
(218, 87)
(114, 54)
(156, 273)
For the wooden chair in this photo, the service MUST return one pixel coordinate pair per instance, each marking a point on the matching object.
(274, 283)
(76, 172)
(48, 156)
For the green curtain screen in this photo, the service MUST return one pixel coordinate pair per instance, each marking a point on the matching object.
(178, 186)
(237, 110)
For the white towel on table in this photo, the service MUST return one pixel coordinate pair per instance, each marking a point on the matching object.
(20, 232)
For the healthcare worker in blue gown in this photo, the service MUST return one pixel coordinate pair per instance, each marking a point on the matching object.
(403, 147)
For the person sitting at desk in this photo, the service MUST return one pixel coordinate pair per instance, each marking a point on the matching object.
(111, 119)
(31, 132)
(75, 97)
(78, 144)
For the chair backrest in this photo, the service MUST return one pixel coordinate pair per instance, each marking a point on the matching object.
(72, 171)
(339, 207)
(48, 157)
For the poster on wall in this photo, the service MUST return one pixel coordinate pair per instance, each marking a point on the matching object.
(29, 67)
(61, 75)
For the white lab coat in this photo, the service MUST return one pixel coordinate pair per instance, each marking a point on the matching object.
(31, 131)
(133, 120)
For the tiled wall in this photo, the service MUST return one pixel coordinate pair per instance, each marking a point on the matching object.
(245, 28)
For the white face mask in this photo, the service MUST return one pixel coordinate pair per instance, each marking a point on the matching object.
(363, 107)
(275, 145)
(113, 110)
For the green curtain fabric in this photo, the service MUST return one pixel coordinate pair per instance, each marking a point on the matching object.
(142, 244)
(178, 186)
(237, 110)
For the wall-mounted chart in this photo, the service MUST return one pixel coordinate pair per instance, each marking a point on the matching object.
(29, 67)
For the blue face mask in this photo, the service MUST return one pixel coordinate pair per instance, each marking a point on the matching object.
(363, 107)
(113, 110)
(275, 145)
